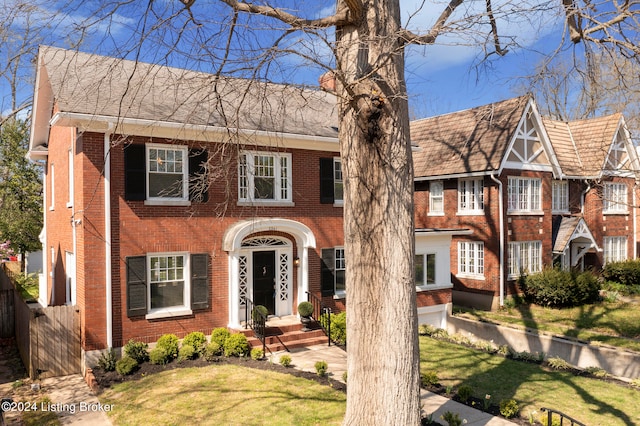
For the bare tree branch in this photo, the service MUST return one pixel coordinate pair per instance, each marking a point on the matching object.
(411, 38)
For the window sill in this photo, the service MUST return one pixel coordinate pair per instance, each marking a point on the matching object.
(167, 202)
(525, 213)
(613, 213)
(560, 212)
(470, 213)
(69, 205)
(471, 277)
(431, 287)
(338, 204)
(435, 214)
(169, 313)
(266, 203)
(340, 295)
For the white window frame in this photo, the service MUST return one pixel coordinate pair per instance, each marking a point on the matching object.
(614, 198)
(471, 196)
(282, 190)
(177, 310)
(525, 257)
(615, 249)
(426, 271)
(560, 196)
(184, 164)
(471, 259)
(340, 263)
(70, 177)
(524, 195)
(338, 182)
(436, 198)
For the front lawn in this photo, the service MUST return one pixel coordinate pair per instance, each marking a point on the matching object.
(612, 323)
(224, 394)
(589, 400)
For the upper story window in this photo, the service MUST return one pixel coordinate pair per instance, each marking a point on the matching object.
(331, 182)
(524, 194)
(164, 174)
(264, 176)
(614, 198)
(615, 249)
(560, 196)
(425, 269)
(471, 259)
(525, 257)
(436, 197)
(167, 170)
(470, 195)
(338, 184)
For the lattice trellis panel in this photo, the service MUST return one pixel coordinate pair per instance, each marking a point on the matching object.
(243, 278)
(283, 277)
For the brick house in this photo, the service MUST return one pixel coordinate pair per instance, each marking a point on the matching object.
(533, 191)
(171, 195)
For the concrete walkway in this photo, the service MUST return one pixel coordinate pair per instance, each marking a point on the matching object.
(73, 401)
(432, 404)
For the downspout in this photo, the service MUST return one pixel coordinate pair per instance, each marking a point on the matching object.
(107, 232)
(501, 238)
(74, 221)
(634, 209)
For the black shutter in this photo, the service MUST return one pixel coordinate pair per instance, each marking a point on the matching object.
(135, 173)
(199, 281)
(326, 181)
(198, 185)
(327, 275)
(136, 286)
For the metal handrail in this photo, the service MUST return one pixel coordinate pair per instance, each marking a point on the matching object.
(318, 306)
(551, 412)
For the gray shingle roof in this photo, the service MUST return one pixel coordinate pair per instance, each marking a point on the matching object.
(98, 85)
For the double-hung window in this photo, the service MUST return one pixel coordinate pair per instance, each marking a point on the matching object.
(264, 177)
(167, 170)
(560, 196)
(614, 198)
(425, 269)
(471, 259)
(525, 257)
(436, 197)
(338, 184)
(524, 194)
(333, 272)
(167, 284)
(470, 195)
(615, 249)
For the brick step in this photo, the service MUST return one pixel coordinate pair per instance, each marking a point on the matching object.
(289, 340)
(279, 329)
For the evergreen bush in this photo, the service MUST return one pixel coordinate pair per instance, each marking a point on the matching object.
(555, 288)
(107, 361)
(236, 345)
(169, 342)
(137, 350)
(220, 335)
(126, 365)
(197, 340)
(212, 351)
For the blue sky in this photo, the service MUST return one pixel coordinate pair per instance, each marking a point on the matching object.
(445, 77)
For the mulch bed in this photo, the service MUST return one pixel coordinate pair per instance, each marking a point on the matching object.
(106, 379)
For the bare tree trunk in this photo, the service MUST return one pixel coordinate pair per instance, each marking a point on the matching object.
(383, 355)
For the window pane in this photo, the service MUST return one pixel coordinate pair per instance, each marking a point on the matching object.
(165, 185)
(264, 188)
(166, 295)
(431, 268)
(419, 269)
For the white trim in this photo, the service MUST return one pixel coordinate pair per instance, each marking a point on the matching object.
(183, 149)
(173, 311)
(232, 244)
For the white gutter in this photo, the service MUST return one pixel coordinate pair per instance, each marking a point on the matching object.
(501, 237)
(107, 233)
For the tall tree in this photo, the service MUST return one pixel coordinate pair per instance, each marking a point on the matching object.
(20, 190)
(362, 45)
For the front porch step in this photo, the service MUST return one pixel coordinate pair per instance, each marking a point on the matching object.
(287, 337)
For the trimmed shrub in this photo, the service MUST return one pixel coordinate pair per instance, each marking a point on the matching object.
(321, 368)
(257, 354)
(426, 329)
(626, 272)
(137, 350)
(509, 408)
(429, 378)
(236, 345)
(107, 361)
(126, 365)
(197, 340)
(259, 310)
(285, 360)
(305, 309)
(558, 363)
(464, 393)
(220, 335)
(338, 327)
(212, 351)
(169, 342)
(159, 356)
(556, 288)
(186, 352)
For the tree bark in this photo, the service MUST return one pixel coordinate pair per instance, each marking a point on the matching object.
(383, 354)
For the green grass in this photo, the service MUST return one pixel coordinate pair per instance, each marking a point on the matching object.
(612, 323)
(588, 400)
(224, 394)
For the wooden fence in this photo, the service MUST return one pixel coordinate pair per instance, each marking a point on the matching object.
(48, 339)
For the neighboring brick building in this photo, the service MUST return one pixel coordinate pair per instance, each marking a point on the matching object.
(171, 195)
(535, 192)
